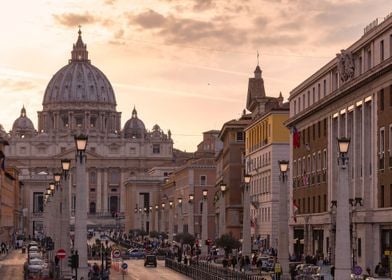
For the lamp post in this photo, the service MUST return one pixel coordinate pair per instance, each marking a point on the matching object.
(204, 223)
(283, 241)
(163, 217)
(81, 205)
(191, 217)
(156, 221)
(222, 216)
(65, 215)
(342, 251)
(179, 216)
(57, 240)
(170, 221)
(246, 238)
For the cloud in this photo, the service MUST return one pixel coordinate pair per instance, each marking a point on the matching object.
(187, 30)
(16, 85)
(202, 5)
(148, 19)
(278, 40)
(109, 2)
(73, 19)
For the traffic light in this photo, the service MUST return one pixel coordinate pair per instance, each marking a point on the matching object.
(75, 261)
(70, 261)
(108, 261)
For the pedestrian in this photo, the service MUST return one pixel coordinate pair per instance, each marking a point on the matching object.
(377, 268)
(233, 262)
(247, 263)
(333, 271)
(277, 270)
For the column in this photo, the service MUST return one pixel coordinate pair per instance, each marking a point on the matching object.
(246, 243)
(343, 256)
(191, 221)
(99, 191)
(81, 216)
(163, 216)
(156, 221)
(105, 191)
(170, 232)
(283, 243)
(65, 229)
(180, 222)
(204, 227)
(122, 191)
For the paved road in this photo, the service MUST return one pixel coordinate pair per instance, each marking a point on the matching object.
(11, 267)
(137, 271)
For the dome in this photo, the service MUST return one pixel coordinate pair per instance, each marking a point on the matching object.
(134, 127)
(23, 124)
(79, 82)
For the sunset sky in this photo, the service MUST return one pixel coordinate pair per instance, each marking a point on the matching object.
(184, 64)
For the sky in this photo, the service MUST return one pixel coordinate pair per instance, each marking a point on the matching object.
(184, 64)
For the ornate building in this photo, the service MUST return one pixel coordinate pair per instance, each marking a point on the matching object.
(80, 99)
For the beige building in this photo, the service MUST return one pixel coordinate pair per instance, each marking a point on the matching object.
(350, 96)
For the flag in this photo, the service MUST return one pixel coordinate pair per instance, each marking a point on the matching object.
(295, 210)
(296, 137)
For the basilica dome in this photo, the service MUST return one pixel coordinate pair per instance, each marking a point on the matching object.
(23, 125)
(134, 127)
(79, 83)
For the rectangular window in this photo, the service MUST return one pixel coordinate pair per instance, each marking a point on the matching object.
(203, 180)
(240, 136)
(303, 101)
(314, 94)
(382, 100)
(314, 132)
(309, 98)
(390, 94)
(369, 59)
(156, 149)
(132, 150)
(382, 50)
(114, 177)
(319, 129)
(38, 202)
(325, 127)
(381, 203)
(314, 204)
(382, 141)
(295, 107)
(299, 104)
(325, 87)
(360, 65)
(318, 161)
(314, 163)
(325, 159)
(318, 91)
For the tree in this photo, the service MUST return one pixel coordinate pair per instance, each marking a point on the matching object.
(154, 234)
(185, 238)
(228, 243)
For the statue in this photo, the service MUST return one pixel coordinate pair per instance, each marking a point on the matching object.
(345, 65)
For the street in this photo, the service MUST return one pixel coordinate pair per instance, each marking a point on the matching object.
(137, 271)
(11, 266)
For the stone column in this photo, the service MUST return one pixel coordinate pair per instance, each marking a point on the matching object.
(283, 244)
(170, 231)
(204, 227)
(180, 219)
(222, 215)
(191, 217)
(81, 216)
(343, 252)
(64, 223)
(105, 191)
(156, 221)
(246, 239)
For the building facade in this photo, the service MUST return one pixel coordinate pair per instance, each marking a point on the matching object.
(348, 97)
(80, 99)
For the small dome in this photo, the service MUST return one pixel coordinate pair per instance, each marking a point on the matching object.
(134, 127)
(23, 124)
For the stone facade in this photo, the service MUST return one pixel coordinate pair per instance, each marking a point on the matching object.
(348, 98)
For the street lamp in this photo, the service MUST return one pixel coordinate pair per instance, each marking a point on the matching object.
(246, 226)
(283, 241)
(222, 215)
(204, 222)
(65, 166)
(81, 204)
(52, 187)
(343, 250)
(191, 218)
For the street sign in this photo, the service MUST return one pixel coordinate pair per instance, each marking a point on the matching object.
(116, 253)
(357, 270)
(124, 266)
(61, 254)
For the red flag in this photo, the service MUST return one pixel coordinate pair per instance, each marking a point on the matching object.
(296, 138)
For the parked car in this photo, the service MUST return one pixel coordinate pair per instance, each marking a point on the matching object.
(136, 253)
(150, 260)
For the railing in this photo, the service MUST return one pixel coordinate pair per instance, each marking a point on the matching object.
(207, 271)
